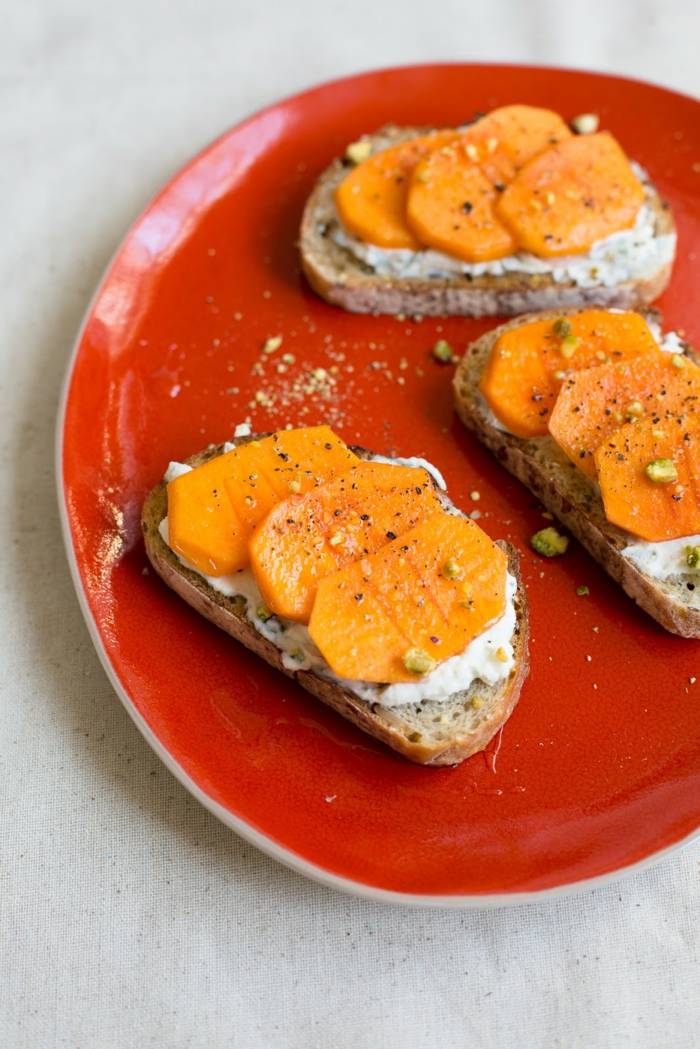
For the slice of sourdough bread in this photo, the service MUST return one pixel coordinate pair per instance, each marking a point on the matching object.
(564, 490)
(338, 276)
(429, 733)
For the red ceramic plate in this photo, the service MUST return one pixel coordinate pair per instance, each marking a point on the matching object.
(599, 767)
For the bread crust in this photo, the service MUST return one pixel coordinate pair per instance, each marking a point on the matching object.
(396, 727)
(341, 279)
(567, 493)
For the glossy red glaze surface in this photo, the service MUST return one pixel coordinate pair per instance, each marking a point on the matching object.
(599, 767)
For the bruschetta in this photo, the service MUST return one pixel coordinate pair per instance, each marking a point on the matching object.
(356, 576)
(598, 413)
(509, 214)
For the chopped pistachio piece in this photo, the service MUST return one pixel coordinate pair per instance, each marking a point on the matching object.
(586, 123)
(569, 345)
(272, 344)
(443, 352)
(451, 569)
(294, 486)
(692, 556)
(263, 613)
(549, 542)
(661, 471)
(582, 591)
(336, 539)
(561, 327)
(635, 409)
(418, 661)
(358, 151)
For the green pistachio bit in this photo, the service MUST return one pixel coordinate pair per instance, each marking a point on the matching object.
(635, 410)
(569, 345)
(358, 151)
(692, 556)
(561, 327)
(418, 661)
(263, 614)
(661, 471)
(549, 542)
(451, 569)
(586, 123)
(272, 344)
(582, 591)
(443, 352)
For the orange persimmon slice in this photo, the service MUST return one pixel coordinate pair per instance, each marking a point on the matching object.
(451, 207)
(593, 403)
(308, 537)
(431, 591)
(202, 526)
(371, 199)
(654, 510)
(529, 362)
(506, 138)
(213, 509)
(570, 196)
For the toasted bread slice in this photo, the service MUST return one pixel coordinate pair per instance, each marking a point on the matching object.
(338, 276)
(429, 733)
(571, 496)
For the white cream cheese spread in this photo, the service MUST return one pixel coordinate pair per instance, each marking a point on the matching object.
(489, 657)
(175, 470)
(664, 560)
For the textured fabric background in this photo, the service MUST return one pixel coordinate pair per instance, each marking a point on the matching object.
(128, 916)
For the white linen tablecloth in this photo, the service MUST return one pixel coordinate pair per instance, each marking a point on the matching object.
(129, 917)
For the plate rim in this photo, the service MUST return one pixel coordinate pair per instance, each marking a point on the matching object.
(267, 844)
